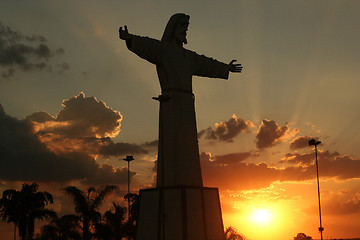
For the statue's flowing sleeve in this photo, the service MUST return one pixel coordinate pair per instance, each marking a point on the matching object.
(209, 67)
(145, 47)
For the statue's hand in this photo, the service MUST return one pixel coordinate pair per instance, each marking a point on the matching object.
(124, 34)
(235, 67)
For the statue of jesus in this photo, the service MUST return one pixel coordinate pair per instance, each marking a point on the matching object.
(178, 152)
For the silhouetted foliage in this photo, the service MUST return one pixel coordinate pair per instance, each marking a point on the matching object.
(130, 225)
(302, 236)
(115, 224)
(112, 226)
(232, 234)
(65, 228)
(23, 207)
(87, 204)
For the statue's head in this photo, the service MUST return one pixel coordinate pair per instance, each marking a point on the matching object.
(176, 29)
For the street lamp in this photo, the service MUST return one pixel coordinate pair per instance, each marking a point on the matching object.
(313, 142)
(128, 159)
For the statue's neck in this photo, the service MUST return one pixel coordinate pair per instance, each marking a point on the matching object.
(176, 42)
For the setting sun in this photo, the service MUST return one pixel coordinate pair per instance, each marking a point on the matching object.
(218, 150)
(261, 216)
(264, 220)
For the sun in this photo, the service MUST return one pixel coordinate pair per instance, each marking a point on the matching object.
(261, 216)
(265, 220)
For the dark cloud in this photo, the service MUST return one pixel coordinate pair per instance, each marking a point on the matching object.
(89, 117)
(87, 124)
(336, 206)
(226, 159)
(51, 149)
(331, 164)
(81, 117)
(62, 67)
(301, 142)
(40, 117)
(106, 174)
(111, 148)
(152, 144)
(298, 159)
(270, 133)
(240, 176)
(232, 158)
(340, 203)
(26, 53)
(25, 158)
(119, 149)
(342, 167)
(226, 130)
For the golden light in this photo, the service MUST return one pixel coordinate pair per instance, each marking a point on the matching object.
(263, 220)
(261, 216)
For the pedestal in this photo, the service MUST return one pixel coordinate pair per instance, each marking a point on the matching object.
(180, 213)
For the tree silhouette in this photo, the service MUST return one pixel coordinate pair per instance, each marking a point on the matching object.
(23, 207)
(65, 228)
(112, 227)
(302, 236)
(232, 234)
(130, 225)
(87, 204)
(9, 211)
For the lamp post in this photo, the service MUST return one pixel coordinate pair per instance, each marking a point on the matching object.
(128, 159)
(313, 142)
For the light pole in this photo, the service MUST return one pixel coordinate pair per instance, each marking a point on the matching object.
(128, 159)
(313, 142)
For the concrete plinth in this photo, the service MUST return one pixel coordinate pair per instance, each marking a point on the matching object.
(180, 213)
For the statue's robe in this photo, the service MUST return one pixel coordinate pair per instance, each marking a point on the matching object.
(178, 156)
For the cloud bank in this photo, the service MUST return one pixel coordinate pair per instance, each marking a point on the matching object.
(65, 147)
(270, 134)
(237, 175)
(226, 130)
(26, 53)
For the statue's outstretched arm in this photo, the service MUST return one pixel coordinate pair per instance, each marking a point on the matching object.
(124, 34)
(145, 47)
(235, 67)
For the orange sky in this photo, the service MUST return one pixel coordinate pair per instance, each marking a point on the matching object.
(79, 101)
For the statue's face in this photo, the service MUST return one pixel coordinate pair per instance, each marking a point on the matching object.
(181, 29)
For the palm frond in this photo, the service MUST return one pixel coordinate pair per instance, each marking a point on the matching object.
(43, 214)
(102, 193)
(79, 198)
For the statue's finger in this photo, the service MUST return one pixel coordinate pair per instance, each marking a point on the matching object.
(126, 30)
(233, 61)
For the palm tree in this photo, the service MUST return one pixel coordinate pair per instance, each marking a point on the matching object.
(112, 226)
(23, 207)
(87, 204)
(9, 211)
(65, 228)
(130, 225)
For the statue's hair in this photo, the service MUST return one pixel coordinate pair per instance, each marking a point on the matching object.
(170, 26)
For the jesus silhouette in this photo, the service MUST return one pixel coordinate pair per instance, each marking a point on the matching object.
(178, 154)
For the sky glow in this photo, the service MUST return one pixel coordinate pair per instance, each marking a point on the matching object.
(78, 101)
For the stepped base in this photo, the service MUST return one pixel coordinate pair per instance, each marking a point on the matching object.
(180, 213)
